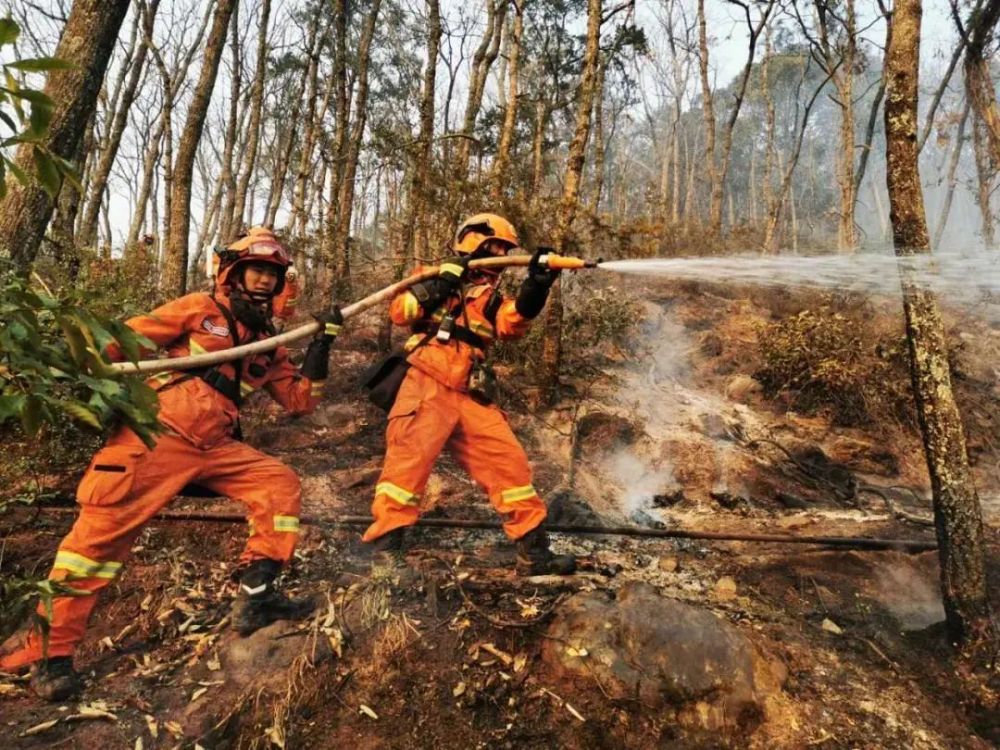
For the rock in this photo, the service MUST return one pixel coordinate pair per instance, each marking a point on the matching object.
(726, 499)
(265, 656)
(665, 654)
(714, 426)
(642, 518)
(668, 499)
(741, 387)
(725, 589)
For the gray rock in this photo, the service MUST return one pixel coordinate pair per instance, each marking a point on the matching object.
(266, 655)
(664, 653)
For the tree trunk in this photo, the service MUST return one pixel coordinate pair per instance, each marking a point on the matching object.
(978, 83)
(339, 238)
(86, 42)
(483, 58)
(227, 180)
(956, 157)
(256, 109)
(173, 281)
(552, 342)
(847, 239)
(957, 515)
(99, 179)
(598, 141)
(501, 164)
(707, 107)
(298, 215)
(984, 180)
(543, 111)
(149, 163)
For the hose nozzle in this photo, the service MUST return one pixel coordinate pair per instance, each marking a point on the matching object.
(566, 263)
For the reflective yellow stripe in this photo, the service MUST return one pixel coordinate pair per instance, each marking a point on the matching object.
(162, 379)
(411, 343)
(286, 523)
(396, 492)
(452, 268)
(517, 494)
(440, 313)
(246, 388)
(411, 308)
(317, 388)
(332, 329)
(253, 529)
(481, 329)
(84, 566)
(195, 347)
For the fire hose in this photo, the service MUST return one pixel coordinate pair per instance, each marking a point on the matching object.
(843, 542)
(551, 260)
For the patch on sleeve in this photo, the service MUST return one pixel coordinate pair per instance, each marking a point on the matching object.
(213, 329)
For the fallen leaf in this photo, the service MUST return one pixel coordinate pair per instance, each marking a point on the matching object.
(277, 736)
(144, 605)
(198, 693)
(503, 656)
(458, 690)
(107, 643)
(213, 664)
(138, 744)
(6, 689)
(831, 627)
(520, 661)
(367, 711)
(725, 588)
(152, 726)
(174, 728)
(578, 652)
(39, 728)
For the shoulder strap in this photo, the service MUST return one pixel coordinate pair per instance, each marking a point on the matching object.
(234, 332)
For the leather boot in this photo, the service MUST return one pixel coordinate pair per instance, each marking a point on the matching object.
(388, 550)
(54, 679)
(259, 603)
(535, 558)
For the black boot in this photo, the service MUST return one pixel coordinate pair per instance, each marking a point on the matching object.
(534, 558)
(55, 679)
(388, 551)
(259, 603)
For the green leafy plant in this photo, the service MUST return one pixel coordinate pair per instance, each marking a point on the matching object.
(25, 114)
(51, 365)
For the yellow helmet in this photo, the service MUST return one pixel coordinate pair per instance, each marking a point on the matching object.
(477, 229)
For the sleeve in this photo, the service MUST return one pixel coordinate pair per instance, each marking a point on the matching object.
(163, 325)
(510, 324)
(297, 394)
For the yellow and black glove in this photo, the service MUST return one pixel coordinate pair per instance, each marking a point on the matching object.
(432, 292)
(316, 365)
(535, 288)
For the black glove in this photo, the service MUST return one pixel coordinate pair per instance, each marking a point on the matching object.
(432, 292)
(316, 365)
(535, 288)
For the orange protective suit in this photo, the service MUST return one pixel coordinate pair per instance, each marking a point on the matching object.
(127, 483)
(286, 303)
(433, 410)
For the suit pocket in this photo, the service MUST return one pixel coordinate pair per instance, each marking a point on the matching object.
(110, 476)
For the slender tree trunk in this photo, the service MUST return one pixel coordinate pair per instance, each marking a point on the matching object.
(63, 235)
(227, 180)
(99, 179)
(543, 111)
(843, 79)
(501, 164)
(174, 278)
(298, 215)
(984, 180)
(86, 42)
(707, 107)
(340, 234)
(256, 109)
(957, 514)
(552, 342)
(956, 157)
(598, 141)
(978, 82)
(482, 60)
(149, 163)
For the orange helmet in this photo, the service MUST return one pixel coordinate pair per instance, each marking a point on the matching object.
(258, 245)
(477, 229)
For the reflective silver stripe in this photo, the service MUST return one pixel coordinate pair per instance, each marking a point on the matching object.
(395, 492)
(84, 566)
(517, 494)
(286, 523)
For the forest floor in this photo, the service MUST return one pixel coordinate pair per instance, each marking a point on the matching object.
(460, 653)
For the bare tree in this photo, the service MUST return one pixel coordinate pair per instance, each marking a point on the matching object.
(957, 514)
(86, 43)
(174, 278)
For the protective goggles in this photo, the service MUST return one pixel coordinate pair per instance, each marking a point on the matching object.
(264, 250)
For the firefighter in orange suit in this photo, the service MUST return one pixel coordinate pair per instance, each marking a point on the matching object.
(441, 402)
(127, 483)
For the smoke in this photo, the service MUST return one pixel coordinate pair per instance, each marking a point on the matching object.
(640, 481)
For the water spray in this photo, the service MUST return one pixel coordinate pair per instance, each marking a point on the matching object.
(550, 260)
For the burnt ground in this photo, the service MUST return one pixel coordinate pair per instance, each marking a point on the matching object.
(453, 655)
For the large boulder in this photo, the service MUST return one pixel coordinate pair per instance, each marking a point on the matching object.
(666, 654)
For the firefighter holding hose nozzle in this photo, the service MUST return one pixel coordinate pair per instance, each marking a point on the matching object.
(444, 397)
(127, 483)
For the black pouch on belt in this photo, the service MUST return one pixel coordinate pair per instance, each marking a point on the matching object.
(482, 383)
(383, 379)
